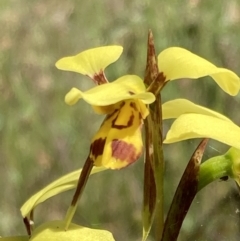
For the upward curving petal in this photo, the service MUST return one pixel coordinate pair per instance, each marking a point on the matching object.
(188, 126)
(178, 63)
(92, 61)
(126, 87)
(177, 107)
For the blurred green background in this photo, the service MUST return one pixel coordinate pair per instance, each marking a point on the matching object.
(41, 138)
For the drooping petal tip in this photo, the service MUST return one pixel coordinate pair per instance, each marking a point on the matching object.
(189, 126)
(177, 107)
(178, 63)
(73, 96)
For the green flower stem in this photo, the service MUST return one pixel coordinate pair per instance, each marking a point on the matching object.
(213, 169)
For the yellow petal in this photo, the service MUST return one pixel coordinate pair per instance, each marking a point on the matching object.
(110, 108)
(126, 87)
(64, 183)
(178, 63)
(73, 96)
(118, 143)
(15, 238)
(92, 61)
(104, 109)
(54, 231)
(177, 107)
(189, 126)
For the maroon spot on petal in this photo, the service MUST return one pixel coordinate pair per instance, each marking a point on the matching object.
(100, 78)
(124, 151)
(162, 77)
(97, 147)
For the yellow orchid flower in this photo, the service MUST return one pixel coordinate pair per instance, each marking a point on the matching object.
(195, 121)
(124, 100)
(118, 142)
(177, 63)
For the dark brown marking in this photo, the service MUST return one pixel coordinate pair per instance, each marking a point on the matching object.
(110, 115)
(130, 121)
(100, 78)
(27, 225)
(133, 105)
(122, 104)
(131, 93)
(124, 151)
(97, 147)
(82, 181)
(116, 110)
(161, 77)
(225, 178)
(120, 127)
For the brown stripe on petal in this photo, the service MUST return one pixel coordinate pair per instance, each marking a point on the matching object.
(133, 105)
(97, 147)
(124, 151)
(116, 110)
(120, 127)
(110, 115)
(121, 105)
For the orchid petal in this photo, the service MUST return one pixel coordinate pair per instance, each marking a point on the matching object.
(178, 63)
(188, 126)
(118, 142)
(92, 61)
(65, 183)
(126, 87)
(55, 230)
(177, 107)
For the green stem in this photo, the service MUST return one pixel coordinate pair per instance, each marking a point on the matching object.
(213, 169)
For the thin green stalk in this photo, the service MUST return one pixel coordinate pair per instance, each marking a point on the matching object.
(213, 169)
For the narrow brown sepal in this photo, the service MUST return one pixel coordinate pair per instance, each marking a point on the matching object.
(151, 71)
(27, 226)
(88, 165)
(149, 192)
(184, 195)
